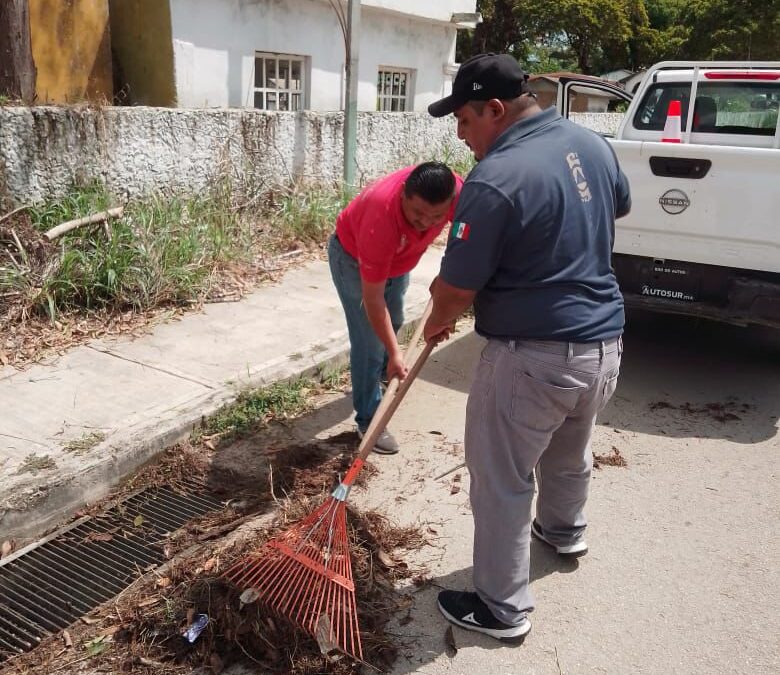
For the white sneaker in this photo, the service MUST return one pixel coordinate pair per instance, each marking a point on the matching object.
(385, 444)
(574, 550)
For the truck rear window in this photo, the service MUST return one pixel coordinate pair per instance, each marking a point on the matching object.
(721, 107)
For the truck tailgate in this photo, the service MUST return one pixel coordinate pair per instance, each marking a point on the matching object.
(729, 215)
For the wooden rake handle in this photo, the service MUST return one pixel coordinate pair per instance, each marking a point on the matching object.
(393, 396)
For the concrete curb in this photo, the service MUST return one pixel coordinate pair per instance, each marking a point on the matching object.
(34, 510)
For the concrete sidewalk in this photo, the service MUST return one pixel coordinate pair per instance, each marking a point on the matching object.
(145, 394)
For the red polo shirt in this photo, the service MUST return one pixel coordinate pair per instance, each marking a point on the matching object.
(373, 229)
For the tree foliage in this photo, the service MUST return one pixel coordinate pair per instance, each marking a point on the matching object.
(500, 31)
(732, 29)
(590, 27)
(601, 35)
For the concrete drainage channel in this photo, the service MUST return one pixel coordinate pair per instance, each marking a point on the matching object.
(48, 585)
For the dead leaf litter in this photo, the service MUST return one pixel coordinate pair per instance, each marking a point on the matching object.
(142, 630)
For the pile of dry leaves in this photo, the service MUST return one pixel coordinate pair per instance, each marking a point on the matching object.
(141, 631)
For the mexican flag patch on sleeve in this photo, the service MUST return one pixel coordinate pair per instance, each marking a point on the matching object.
(460, 230)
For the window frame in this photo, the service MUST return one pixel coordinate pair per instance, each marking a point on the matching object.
(383, 98)
(289, 91)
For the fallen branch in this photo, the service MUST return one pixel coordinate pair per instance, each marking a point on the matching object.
(19, 246)
(149, 663)
(69, 225)
(15, 211)
(222, 529)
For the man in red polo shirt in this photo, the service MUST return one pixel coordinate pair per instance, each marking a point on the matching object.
(380, 237)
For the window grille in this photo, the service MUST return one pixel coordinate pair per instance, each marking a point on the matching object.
(393, 87)
(279, 82)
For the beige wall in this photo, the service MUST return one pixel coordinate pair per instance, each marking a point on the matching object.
(143, 50)
(71, 44)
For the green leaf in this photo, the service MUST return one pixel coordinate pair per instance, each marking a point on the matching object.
(96, 646)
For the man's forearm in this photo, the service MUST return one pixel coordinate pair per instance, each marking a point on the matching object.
(449, 302)
(379, 318)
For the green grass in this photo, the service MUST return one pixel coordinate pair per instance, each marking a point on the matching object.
(78, 202)
(334, 377)
(306, 214)
(460, 162)
(161, 252)
(257, 407)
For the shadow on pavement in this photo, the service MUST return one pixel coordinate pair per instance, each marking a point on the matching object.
(428, 648)
(452, 364)
(684, 378)
(681, 377)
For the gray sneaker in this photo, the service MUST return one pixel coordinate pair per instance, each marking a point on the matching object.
(573, 550)
(385, 444)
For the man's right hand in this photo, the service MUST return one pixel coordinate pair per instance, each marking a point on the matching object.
(396, 367)
(437, 333)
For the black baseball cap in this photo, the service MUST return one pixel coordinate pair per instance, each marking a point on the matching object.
(481, 78)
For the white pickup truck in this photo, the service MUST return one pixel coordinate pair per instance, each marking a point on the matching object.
(703, 235)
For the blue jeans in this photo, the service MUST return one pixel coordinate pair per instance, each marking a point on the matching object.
(367, 354)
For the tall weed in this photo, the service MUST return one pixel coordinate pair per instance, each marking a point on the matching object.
(161, 251)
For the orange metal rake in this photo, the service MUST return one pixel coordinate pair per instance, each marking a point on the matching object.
(305, 573)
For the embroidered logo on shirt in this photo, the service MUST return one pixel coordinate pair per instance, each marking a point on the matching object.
(460, 230)
(401, 244)
(579, 176)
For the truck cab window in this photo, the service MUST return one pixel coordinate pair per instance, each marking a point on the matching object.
(721, 107)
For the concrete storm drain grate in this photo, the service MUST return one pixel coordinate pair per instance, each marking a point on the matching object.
(48, 585)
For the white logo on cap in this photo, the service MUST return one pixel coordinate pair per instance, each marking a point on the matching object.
(477, 86)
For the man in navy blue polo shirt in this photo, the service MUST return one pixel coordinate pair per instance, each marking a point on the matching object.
(530, 247)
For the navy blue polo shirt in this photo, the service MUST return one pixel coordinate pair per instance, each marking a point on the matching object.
(533, 234)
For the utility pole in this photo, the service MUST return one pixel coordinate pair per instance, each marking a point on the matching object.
(350, 101)
(17, 68)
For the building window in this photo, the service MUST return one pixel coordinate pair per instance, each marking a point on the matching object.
(279, 82)
(393, 87)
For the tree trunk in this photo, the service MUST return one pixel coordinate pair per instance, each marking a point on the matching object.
(17, 68)
(498, 32)
(582, 49)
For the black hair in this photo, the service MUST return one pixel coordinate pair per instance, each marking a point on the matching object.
(432, 181)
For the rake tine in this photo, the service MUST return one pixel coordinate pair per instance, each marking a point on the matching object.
(290, 596)
(318, 607)
(260, 574)
(306, 608)
(277, 586)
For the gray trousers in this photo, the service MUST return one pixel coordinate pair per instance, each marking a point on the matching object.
(531, 408)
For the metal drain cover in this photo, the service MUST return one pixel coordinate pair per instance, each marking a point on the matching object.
(48, 585)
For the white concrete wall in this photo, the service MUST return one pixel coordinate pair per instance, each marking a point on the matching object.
(215, 44)
(440, 10)
(424, 48)
(601, 122)
(136, 151)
